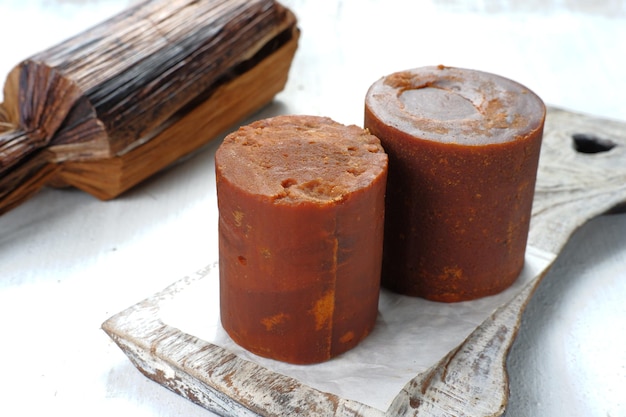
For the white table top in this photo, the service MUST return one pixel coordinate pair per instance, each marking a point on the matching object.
(68, 261)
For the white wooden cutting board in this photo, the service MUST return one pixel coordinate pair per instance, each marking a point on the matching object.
(174, 337)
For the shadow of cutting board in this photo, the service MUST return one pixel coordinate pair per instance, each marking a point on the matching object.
(175, 339)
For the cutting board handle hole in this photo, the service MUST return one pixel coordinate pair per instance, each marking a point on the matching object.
(589, 143)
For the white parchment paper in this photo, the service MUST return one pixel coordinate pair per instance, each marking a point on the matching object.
(411, 335)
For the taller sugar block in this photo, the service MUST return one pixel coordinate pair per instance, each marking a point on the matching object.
(463, 150)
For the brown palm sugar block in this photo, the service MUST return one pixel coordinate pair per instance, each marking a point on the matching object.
(301, 216)
(463, 150)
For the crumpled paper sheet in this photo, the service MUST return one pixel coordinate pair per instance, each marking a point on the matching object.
(410, 336)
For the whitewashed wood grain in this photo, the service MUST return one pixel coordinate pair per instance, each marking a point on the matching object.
(471, 380)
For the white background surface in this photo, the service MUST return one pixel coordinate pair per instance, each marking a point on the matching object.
(69, 261)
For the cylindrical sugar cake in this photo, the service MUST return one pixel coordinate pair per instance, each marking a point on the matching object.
(301, 216)
(463, 150)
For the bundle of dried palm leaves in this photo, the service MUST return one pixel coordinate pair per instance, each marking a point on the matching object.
(111, 106)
